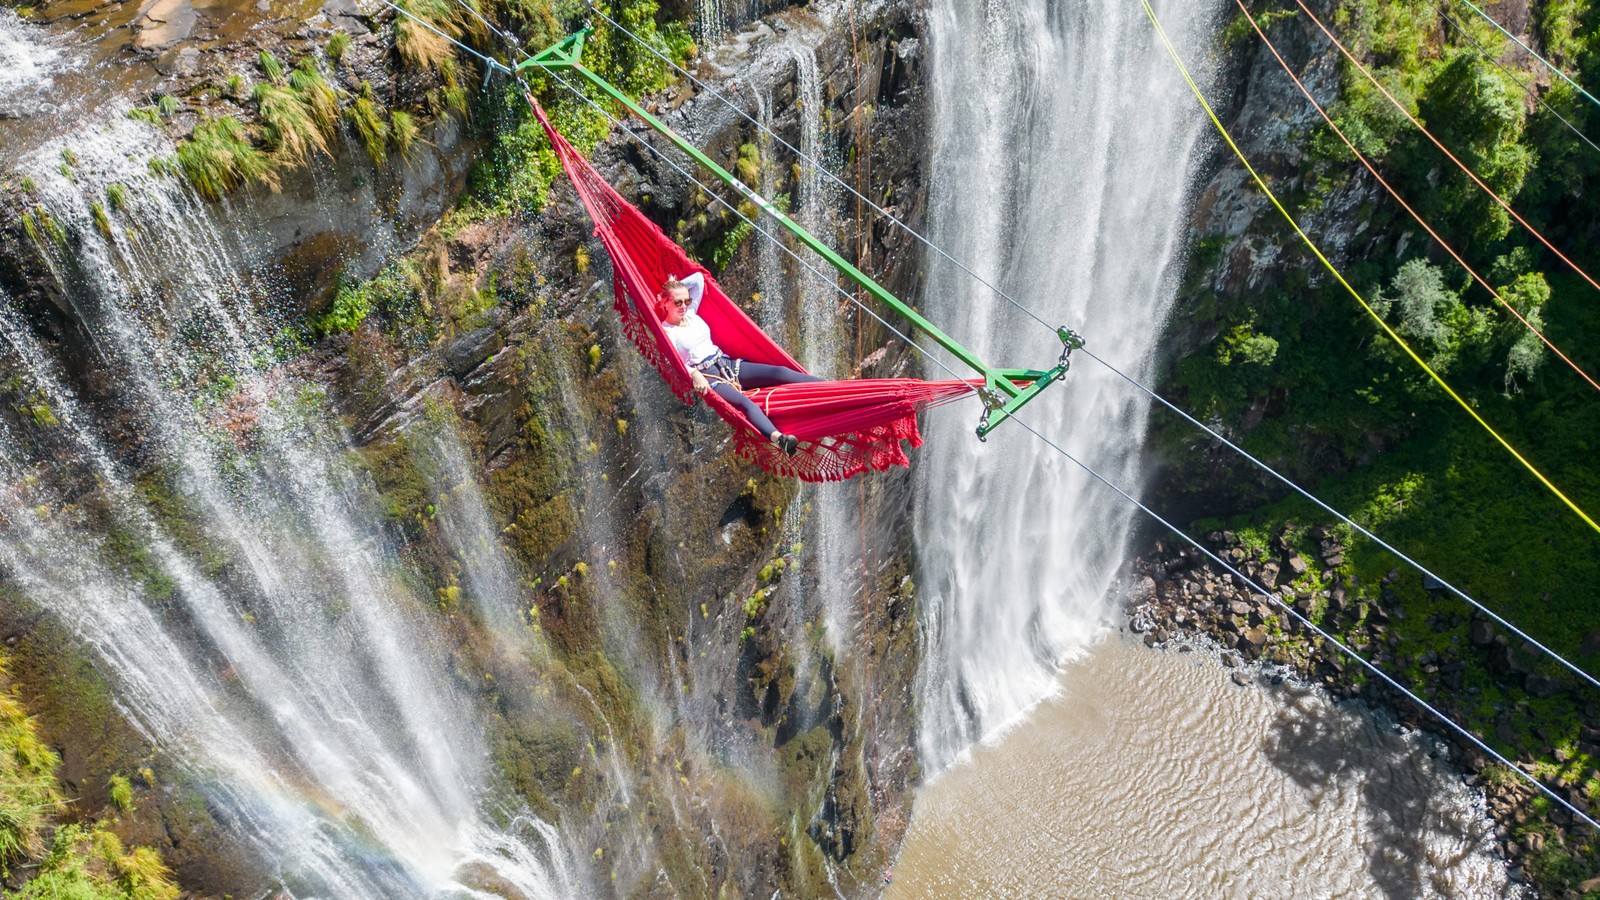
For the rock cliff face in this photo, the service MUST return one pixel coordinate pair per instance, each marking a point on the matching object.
(697, 717)
(1241, 247)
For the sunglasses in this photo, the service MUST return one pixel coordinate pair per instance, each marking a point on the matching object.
(682, 303)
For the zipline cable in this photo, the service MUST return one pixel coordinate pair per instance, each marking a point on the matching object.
(1310, 626)
(1096, 475)
(1303, 620)
(1339, 276)
(1530, 89)
(1436, 142)
(1401, 200)
(1353, 524)
(1518, 41)
(819, 167)
(1131, 380)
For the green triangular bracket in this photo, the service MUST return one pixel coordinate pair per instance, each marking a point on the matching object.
(564, 55)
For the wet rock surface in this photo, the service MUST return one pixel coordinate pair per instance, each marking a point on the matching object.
(565, 424)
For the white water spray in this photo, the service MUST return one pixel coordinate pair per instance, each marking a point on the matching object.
(292, 670)
(1061, 137)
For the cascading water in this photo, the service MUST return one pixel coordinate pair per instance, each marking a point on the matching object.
(1060, 138)
(27, 62)
(251, 613)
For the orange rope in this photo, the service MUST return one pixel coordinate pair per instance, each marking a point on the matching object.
(1448, 249)
(1470, 174)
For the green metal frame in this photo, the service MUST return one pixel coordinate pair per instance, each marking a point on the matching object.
(1004, 391)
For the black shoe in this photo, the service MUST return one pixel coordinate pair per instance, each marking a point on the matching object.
(788, 443)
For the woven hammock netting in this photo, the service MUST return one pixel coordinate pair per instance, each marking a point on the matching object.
(845, 427)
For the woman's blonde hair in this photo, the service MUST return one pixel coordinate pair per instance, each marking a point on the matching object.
(664, 298)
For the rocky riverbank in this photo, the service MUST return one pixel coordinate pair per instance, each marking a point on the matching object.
(1175, 594)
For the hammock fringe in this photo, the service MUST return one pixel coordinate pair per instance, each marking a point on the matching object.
(845, 427)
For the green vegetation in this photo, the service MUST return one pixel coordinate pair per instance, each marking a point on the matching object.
(219, 157)
(402, 131)
(76, 862)
(93, 865)
(1303, 378)
(121, 792)
(28, 794)
(117, 196)
(289, 124)
(271, 66)
(420, 46)
(367, 118)
(317, 95)
(101, 220)
(338, 43)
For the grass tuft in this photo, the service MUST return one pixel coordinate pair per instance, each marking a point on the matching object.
(289, 123)
(402, 130)
(271, 65)
(219, 157)
(366, 115)
(417, 45)
(167, 106)
(117, 195)
(318, 96)
(101, 220)
(121, 792)
(337, 44)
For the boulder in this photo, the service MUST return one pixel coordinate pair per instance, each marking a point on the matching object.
(1504, 660)
(1481, 633)
(1240, 678)
(1297, 565)
(1232, 660)
(1252, 641)
(1541, 685)
(1269, 575)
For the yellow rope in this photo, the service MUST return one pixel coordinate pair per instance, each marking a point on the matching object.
(1199, 95)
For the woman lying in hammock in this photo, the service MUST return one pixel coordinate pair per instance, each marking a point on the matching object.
(713, 370)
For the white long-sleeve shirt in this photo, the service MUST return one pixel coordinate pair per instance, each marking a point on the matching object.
(693, 337)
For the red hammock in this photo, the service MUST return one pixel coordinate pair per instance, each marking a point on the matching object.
(845, 427)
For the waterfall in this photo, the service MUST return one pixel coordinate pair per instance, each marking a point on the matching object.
(241, 591)
(27, 63)
(1061, 138)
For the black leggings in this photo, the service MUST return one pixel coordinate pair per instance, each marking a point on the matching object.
(758, 375)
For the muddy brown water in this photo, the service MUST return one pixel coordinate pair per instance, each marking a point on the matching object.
(1150, 774)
